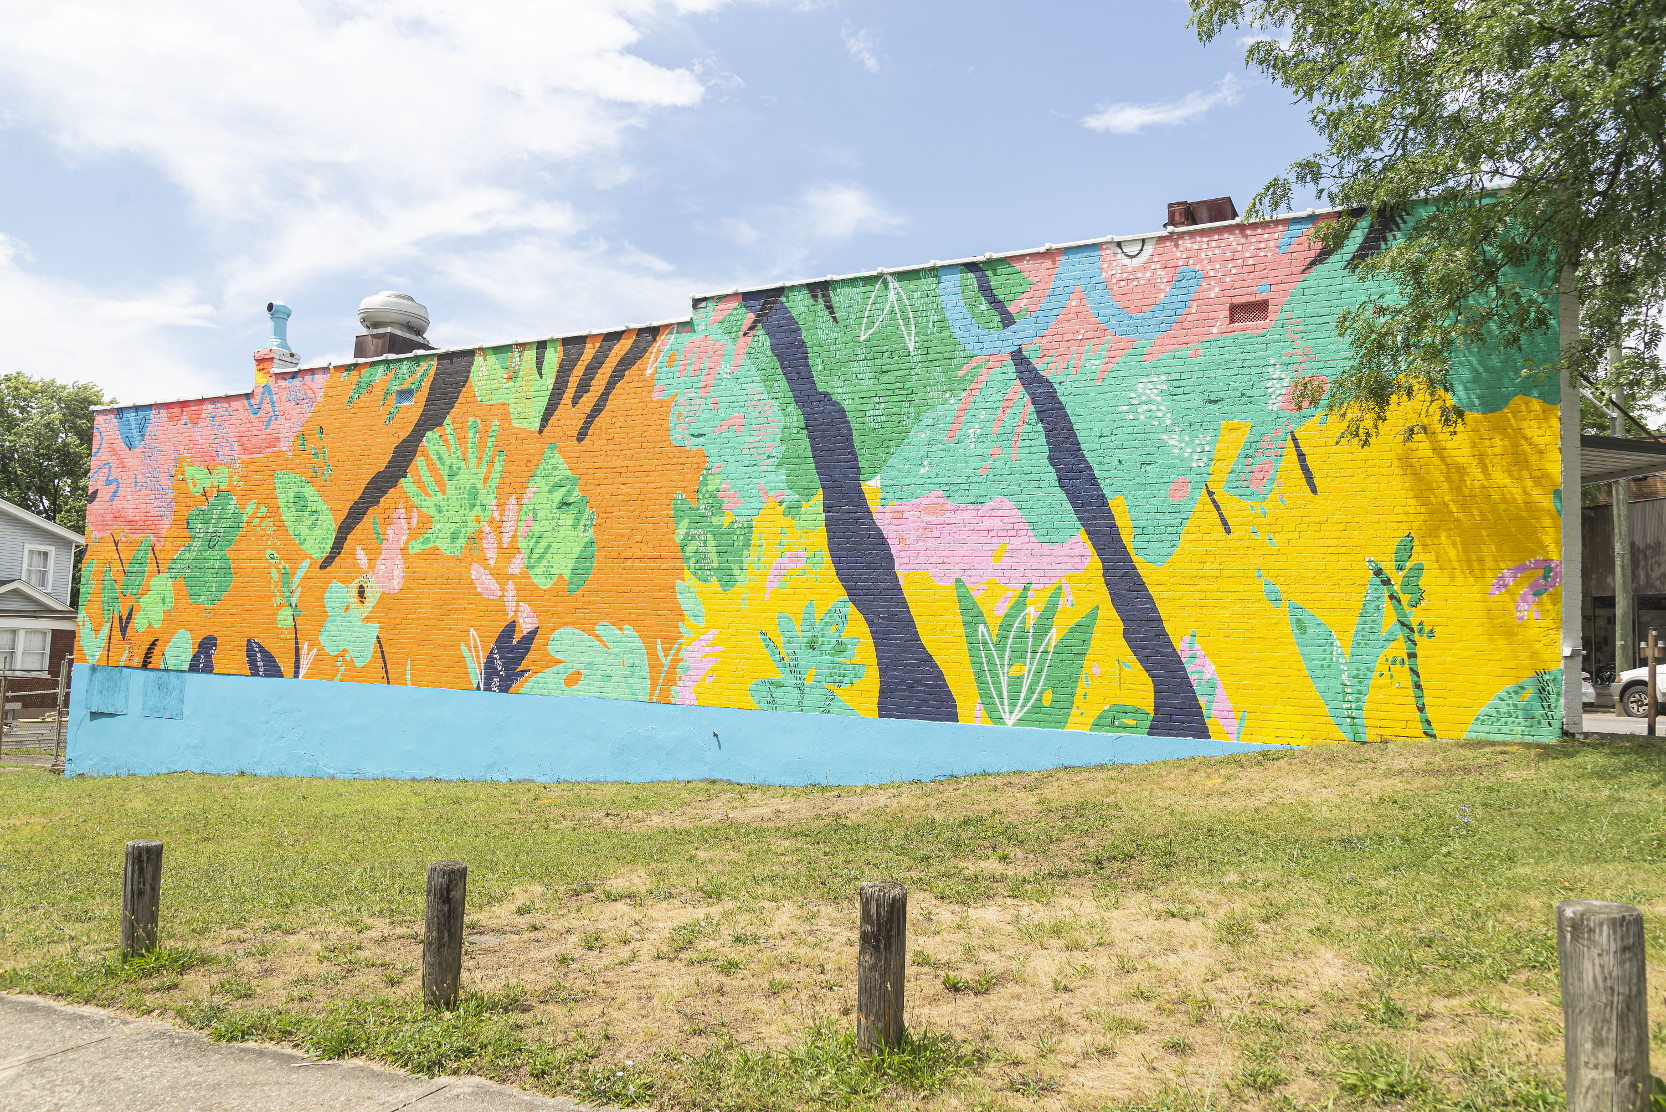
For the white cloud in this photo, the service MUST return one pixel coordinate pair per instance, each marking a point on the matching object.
(359, 136)
(863, 46)
(50, 325)
(1126, 119)
(832, 213)
(784, 238)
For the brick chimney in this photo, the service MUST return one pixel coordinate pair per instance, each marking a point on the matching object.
(1184, 214)
(276, 356)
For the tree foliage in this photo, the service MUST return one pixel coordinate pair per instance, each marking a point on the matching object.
(46, 432)
(1530, 134)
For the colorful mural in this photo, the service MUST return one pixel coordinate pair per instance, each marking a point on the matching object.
(1087, 489)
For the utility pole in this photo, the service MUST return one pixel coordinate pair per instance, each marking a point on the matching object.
(1625, 623)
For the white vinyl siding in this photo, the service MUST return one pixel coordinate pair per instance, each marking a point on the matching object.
(24, 650)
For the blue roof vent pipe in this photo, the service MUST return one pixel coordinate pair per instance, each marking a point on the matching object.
(279, 312)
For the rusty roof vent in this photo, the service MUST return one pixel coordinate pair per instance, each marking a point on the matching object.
(1184, 214)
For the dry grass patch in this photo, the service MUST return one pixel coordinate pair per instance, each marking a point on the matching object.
(1339, 926)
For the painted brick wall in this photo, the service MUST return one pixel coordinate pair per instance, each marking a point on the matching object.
(1085, 489)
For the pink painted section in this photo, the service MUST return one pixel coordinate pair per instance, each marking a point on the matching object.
(782, 568)
(950, 541)
(1536, 588)
(698, 660)
(389, 573)
(1233, 263)
(132, 486)
(1202, 670)
(484, 583)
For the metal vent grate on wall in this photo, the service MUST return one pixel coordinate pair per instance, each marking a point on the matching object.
(1246, 311)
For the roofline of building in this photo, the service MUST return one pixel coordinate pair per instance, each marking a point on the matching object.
(35, 519)
(1235, 222)
(29, 590)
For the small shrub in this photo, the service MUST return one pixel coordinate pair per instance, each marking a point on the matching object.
(977, 986)
(1379, 1072)
(1262, 1077)
(1388, 1012)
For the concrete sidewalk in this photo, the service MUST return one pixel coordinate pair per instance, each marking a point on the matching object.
(55, 1058)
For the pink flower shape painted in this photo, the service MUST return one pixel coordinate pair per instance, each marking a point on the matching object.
(1548, 579)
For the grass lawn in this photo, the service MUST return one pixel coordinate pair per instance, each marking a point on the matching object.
(1330, 927)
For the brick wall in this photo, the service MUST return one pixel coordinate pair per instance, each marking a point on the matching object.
(1090, 488)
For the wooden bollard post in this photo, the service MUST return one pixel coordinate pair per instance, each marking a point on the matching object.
(1604, 1006)
(881, 955)
(1654, 702)
(442, 933)
(141, 898)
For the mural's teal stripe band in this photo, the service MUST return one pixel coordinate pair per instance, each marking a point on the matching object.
(230, 724)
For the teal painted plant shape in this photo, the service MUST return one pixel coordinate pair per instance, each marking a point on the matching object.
(345, 628)
(202, 563)
(458, 490)
(1527, 711)
(394, 375)
(714, 542)
(1027, 672)
(561, 540)
(813, 656)
(1343, 679)
(611, 665)
(176, 657)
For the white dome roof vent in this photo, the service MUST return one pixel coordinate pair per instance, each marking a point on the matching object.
(389, 309)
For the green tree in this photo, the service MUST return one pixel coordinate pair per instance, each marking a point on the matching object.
(46, 433)
(1521, 137)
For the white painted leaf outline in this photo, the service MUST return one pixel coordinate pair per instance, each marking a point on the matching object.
(1014, 706)
(895, 297)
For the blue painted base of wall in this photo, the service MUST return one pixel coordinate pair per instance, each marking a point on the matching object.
(127, 720)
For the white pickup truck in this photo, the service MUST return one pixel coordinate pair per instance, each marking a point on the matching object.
(1631, 691)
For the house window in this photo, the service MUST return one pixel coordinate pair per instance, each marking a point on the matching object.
(37, 567)
(24, 650)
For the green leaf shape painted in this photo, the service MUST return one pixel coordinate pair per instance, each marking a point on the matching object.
(1327, 668)
(611, 665)
(561, 541)
(305, 514)
(394, 375)
(92, 641)
(1122, 719)
(155, 604)
(693, 609)
(458, 490)
(344, 628)
(176, 657)
(813, 656)
(1022, 669)
(714, 542)
(1343, 683)
(509, 376)
(1530, 710)
(1402, 553)
(202, 563)
(109, 594)
(138, 570)
(1411, 586)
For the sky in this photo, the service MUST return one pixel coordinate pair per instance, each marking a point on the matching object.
(546, 168)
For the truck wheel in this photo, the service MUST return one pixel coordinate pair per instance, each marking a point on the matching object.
(1634, 701)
